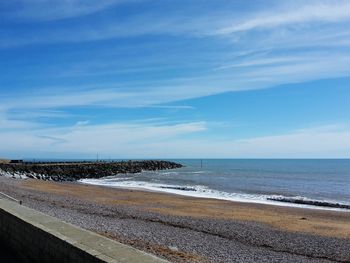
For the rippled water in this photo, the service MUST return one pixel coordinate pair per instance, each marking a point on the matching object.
(246, 180)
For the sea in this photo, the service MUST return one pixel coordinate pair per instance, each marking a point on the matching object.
(247, 180)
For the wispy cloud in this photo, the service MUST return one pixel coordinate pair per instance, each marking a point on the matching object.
(244, 74)
(38, 114)
(261, 62)
(156, 57)
(7, 123)
(82, 123)
(114, 138)
(290, 33)
(47, 10)
(317, 142)
(293, 15)
(147, 140)
(298, 15)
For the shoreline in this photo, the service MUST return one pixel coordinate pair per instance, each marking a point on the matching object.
(195, 194)
(188, 229)
(97, 173)
(133, 196)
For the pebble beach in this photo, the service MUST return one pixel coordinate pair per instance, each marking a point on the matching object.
(186, 229)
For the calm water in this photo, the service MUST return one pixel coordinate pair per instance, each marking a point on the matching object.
(246, 180)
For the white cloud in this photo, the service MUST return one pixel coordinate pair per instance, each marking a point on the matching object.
(292, 42)
(147, 140)
(298, 145)
(248, 74)
(9, 124)
(326, 11)
(46, 10)
(115, 138)
(318, 142)
(38, 114)
(82, 123)
(297, 14)
(262, 62)
(266, 60)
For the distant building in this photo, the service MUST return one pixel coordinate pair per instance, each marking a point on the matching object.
(16, 161)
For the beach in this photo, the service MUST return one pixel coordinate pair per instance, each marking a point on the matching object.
(194, 131)
(189, 229)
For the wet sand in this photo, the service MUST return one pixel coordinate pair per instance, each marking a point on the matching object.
(187, 229)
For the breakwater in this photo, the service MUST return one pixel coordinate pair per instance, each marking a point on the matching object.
(309, 202)
(69, 171)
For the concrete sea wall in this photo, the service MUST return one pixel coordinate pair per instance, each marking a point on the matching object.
(36, 237)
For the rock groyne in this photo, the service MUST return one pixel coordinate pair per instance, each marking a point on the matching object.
(69, 171)
(309, 202)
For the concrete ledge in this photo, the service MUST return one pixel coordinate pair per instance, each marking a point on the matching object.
(37, 237)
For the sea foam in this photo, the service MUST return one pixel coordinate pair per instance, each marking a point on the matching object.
(201, 191)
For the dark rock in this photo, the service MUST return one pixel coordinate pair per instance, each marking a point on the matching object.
(309, 202)
(65, 171)
(182, 188)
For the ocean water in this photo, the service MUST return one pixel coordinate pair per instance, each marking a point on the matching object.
(247, 180)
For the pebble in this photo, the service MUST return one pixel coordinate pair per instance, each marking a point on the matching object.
(186, 239)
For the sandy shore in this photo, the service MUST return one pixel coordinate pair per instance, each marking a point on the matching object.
(187, 229)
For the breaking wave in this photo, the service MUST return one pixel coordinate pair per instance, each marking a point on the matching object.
(205, 192)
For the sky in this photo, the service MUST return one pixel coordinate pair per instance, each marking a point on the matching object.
(175, 79)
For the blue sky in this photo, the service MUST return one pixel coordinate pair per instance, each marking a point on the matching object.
(174, 79)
